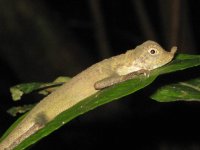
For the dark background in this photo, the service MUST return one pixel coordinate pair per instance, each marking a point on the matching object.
(40, 40)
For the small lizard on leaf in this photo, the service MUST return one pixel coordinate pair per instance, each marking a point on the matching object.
(141, 60)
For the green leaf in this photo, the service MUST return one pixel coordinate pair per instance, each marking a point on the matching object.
(109, 94)
(18, 91)
(181, 62)
(14, 125)
(19, 109)
(185, 91)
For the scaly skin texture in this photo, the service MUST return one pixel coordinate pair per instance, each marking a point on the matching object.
(146, 56)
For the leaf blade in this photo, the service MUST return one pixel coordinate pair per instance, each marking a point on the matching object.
(19, 90)
(184, 91)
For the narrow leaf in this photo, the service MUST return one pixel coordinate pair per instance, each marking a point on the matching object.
(19, 109)
(18, 91)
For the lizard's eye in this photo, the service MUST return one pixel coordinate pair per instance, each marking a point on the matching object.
(153, 51)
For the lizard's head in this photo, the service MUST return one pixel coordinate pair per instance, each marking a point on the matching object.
(152, 55)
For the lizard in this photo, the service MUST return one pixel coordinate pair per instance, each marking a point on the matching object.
(141, 60)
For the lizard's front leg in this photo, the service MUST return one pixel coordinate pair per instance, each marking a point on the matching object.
(118, 79)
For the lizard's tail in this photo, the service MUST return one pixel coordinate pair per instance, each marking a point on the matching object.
(9, 143)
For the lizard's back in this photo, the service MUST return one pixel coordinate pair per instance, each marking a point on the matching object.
(78, 88)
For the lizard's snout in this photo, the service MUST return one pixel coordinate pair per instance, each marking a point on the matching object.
(173, 50)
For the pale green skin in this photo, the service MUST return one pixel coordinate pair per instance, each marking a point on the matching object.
(86, 83)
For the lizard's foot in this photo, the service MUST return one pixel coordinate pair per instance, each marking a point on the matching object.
(136, 73)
